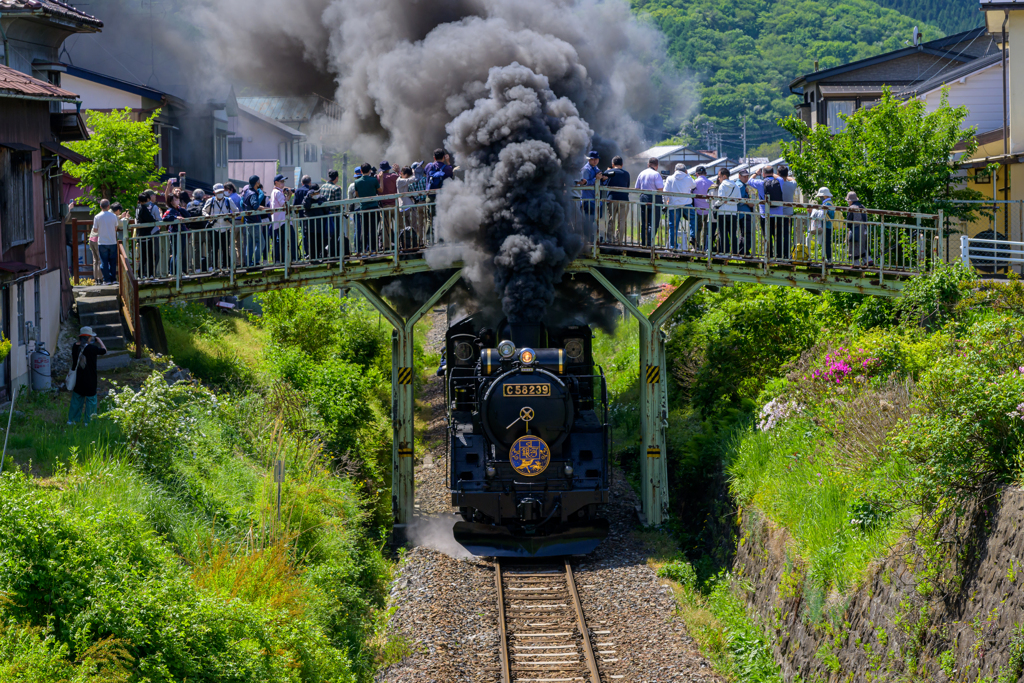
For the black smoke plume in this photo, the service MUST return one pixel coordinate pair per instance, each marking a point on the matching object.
(412, 74)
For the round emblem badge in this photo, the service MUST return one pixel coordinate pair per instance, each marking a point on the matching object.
(529, 455)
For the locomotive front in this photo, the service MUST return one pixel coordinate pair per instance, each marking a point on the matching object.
(528, 439)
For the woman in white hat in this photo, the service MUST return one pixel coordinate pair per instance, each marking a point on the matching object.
(821, 221)
(83, 361)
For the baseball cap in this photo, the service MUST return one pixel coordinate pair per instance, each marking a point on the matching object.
(359, 173)
(253, 179)
(593, 155)
(701, 170)
(279, 177)
(744, 171)
(220, 188)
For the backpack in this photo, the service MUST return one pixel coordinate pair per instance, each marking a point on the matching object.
(436, 178)
(251, 201)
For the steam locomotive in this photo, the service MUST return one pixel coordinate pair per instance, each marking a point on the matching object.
(527, 438)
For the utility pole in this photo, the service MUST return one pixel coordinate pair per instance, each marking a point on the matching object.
(744, 137)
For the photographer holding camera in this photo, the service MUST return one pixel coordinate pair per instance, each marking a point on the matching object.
(84, 353)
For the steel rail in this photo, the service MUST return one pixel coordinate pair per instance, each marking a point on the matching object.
(581, 622)
(588, 650)
(506, 670)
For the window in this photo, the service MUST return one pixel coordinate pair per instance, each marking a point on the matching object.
(165, 138)
(221, 150)
(234, 148)
(37, 300)
(51, 187)
(284, 153)
(310, 153)
(16, 224)
(835, 108)
(22, 332)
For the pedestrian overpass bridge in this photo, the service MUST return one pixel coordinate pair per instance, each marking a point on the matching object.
(353, 244)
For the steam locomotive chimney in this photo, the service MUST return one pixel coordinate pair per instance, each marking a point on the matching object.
(527, 335)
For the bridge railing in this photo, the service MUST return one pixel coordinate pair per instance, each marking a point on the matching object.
(384, 227)
(756, 230)
(663, 224)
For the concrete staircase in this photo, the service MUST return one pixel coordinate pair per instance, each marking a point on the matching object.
(98, 308)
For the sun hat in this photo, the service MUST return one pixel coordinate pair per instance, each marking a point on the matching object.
(824, 192)
(851, 196)
(86, 332)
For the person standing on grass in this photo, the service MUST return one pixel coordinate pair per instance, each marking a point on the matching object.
(84, 353)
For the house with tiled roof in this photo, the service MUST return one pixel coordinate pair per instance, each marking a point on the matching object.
(37, 114)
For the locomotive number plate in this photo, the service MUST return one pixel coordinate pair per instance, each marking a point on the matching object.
(526, 390)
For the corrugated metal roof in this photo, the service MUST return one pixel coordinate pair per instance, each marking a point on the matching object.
(55, 7)
(953, 74)
(282, 108)
(13, 81)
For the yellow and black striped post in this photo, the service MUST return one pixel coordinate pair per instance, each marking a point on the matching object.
(653, 374)
(402, 397)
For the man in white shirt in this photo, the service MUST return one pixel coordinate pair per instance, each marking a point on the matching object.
(680, 207)
(278, 201)
(726, 210)
(220, 207)
(105, 224)
(650, 181)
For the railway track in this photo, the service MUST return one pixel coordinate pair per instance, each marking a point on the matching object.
(543, 633)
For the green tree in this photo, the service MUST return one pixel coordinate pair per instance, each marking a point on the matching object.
(895, 155)
(121, 155)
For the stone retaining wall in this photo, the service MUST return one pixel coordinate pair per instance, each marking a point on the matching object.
(895, 627)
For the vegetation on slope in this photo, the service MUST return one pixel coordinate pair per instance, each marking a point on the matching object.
(152, 549)
(745, 53)
(952, 16)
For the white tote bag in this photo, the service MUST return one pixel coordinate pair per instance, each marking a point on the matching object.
(72, 377)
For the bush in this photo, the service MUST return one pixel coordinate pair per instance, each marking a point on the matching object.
(681, 572)
(930, 300)
(158, 420)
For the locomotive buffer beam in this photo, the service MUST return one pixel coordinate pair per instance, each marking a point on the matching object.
(403, 398)
(653, 394)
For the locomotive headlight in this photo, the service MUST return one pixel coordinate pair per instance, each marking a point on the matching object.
(464, 351)
(527, 356)
(574, 349)
(568, 470)
(506, 349)
(490, 471)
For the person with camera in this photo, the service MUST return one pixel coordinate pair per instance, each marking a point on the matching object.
(84, 353)
(590, 176)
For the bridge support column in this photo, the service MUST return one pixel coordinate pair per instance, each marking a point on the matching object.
(403, 396)
(653, 394)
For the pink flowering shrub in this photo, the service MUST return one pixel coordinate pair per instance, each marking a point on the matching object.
(843, 366)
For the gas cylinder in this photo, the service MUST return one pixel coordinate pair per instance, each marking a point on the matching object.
(41, 368)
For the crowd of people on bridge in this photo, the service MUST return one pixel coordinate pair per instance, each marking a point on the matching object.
(725, 214)
(257, 216)
(681, 210)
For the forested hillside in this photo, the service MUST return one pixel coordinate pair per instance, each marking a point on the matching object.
(952, 16)
(745, 53)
